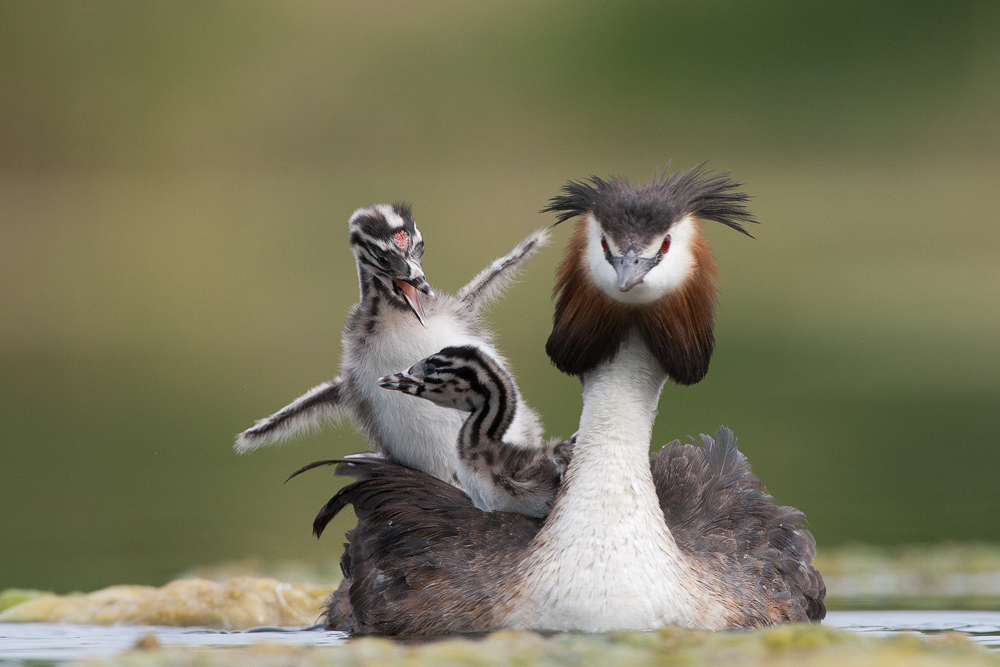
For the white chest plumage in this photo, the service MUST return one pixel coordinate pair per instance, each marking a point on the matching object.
(419, 434)
(605, 559)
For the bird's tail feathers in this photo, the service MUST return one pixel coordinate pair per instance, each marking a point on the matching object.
(379, 482)
(352, 466)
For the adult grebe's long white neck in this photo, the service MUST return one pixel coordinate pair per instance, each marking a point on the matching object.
(635, 307)
(605, 559)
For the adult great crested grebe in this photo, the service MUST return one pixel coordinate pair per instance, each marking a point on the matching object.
(398, 321)
(688, 538)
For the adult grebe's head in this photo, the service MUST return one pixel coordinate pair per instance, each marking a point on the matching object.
(388, 245)
(638, 261)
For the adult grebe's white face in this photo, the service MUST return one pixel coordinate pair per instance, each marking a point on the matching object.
(635, 275)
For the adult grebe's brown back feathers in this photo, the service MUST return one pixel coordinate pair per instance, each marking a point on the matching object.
(422, 560)
(720, 514)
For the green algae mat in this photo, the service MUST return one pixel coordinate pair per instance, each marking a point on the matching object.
(241, 595)
(238, 603)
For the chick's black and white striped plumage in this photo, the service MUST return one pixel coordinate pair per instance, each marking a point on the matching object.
(499, 472)
(398, 321)
(388, 248)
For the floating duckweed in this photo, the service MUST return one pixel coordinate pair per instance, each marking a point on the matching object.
(15, 596)
(148, 642)
(236, 604)
(639, 639)
(749, 649)
(240, 602)
(801, 636)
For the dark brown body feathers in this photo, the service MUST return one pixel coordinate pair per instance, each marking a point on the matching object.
(722, 517)
(424, 561)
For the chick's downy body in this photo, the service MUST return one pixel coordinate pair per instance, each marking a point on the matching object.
(398, 321)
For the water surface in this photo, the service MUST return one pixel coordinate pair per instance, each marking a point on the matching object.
(61, 642)
(28, 643)
(983, 627)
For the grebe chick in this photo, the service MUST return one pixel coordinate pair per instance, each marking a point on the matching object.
(399, 320)
(498, 473)
(688, 538)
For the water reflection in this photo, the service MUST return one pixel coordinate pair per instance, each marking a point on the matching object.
(29, 643)
(983, 627)
(59, 642)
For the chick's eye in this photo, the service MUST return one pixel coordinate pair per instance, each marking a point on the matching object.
(665, 246)
(429, 367)
(604, 243)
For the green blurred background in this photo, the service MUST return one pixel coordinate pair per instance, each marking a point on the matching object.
(175, 181)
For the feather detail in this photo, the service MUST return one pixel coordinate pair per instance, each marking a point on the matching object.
(492, 281)
(666, 199)
(321, 403)
(720, 513)
(422, 560)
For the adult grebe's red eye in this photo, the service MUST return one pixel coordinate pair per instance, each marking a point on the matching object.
(604, 243)
(665, 246)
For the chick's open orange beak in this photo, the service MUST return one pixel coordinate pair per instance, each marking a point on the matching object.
(411, 290)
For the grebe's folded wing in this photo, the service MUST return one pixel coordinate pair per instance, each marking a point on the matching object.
(422, 560)
(720, 513)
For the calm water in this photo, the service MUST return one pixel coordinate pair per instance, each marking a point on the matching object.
(22, 644)
(983, 627)
(58, 642)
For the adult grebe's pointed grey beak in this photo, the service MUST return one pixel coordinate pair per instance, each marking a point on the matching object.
(631, 268)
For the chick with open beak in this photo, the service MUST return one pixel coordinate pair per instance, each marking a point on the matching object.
(409, 289)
